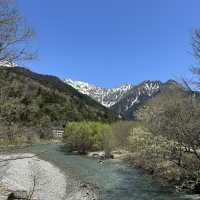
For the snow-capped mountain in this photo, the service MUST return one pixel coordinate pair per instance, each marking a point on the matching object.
(136, 97)
(106, 96)
(126, 99)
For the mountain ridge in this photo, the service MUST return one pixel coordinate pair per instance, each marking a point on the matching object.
(127, 98)
(105, 96)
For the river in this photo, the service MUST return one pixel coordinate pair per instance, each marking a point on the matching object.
(116, 180)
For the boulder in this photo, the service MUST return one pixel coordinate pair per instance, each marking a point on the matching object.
(84, 185)
(98, 155)
(101, 155)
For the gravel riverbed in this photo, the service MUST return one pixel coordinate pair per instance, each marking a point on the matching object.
(50, 182)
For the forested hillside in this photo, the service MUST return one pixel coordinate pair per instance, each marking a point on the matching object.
(28, 99)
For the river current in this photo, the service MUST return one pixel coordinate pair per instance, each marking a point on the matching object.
(116, 180)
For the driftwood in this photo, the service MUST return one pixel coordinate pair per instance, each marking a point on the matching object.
(20, 195)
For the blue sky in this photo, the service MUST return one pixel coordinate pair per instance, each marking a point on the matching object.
(110, 42)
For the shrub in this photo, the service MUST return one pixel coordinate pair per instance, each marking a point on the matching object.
(120, 132)
(87, 136)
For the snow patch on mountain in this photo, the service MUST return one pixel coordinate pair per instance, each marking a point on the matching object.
(106, 96)
(137, 95)
(109, 97)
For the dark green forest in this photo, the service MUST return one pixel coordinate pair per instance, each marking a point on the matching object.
(28, 99)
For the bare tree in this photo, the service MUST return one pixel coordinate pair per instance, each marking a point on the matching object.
(37, 181)
(31, 193)
(196, 51)
(175, 117)
(121, 131)
(14, 34)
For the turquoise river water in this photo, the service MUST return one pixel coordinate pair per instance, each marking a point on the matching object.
(116, 180)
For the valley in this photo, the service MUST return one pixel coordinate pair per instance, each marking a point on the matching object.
(34, 106)
(65, 139)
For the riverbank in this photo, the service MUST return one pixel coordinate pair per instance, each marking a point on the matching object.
(165, 176)
(113, 179)
(27, 172)
(33, 175)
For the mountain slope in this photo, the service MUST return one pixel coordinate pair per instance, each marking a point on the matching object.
(107, 97)
(32, 99)
(141, 94)
(127, 99)
(135, 98)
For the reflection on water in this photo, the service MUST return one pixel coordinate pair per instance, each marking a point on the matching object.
(115, 179)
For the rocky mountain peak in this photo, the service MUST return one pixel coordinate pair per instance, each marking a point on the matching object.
(127, 98)
(106, 96)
